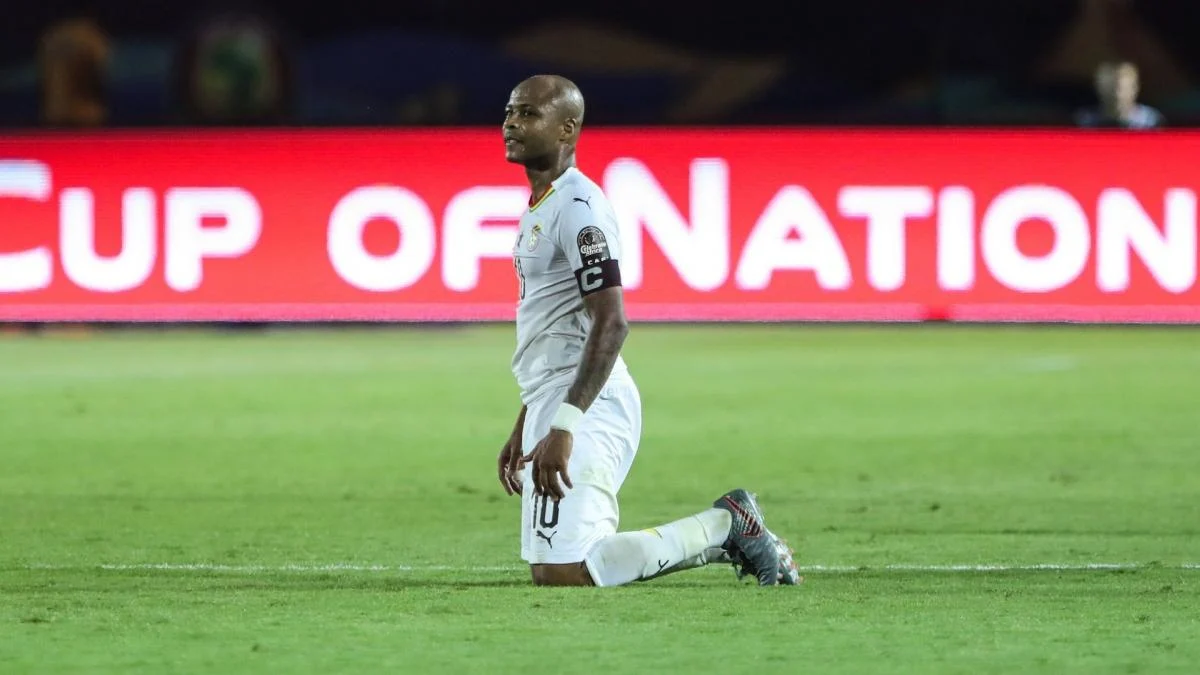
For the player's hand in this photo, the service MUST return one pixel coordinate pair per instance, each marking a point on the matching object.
(509, 465)
(549, 459)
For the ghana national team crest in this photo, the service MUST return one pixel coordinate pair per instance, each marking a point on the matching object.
(534, 233)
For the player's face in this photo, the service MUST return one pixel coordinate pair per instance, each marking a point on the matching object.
(531, 127)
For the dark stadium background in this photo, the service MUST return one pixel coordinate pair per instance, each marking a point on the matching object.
(860, 62)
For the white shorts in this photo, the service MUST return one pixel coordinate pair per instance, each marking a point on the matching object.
(603, 447)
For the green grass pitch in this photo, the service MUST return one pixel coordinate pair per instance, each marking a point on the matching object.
(325, 501)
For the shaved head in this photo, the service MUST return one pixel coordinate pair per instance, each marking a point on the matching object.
(542, 121)
(558, 92)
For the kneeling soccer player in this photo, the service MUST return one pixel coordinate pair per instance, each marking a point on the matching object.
(581, 413)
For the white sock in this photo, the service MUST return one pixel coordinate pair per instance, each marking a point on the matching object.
(707, 557)
(629, 556)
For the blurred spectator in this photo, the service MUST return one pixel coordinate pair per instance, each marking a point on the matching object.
(1117, 89)
(72, 60)
(234, 70)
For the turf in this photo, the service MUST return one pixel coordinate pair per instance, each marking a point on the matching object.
(324, 501)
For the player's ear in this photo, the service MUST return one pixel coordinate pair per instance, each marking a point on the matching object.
(570, 128)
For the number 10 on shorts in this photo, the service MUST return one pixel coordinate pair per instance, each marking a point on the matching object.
(545, 512)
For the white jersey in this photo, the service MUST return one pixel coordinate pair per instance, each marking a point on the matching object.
(567, 247)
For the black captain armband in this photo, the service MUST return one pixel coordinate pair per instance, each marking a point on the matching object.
(600, 270)
(598, 277)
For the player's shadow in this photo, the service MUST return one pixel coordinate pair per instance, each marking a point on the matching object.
(402, 583)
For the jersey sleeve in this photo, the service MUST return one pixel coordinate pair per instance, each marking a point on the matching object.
(589, 236)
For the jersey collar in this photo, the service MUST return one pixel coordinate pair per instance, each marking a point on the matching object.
(535, 202)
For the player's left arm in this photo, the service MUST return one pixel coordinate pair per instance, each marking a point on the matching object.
(591, 242)
(603, 345)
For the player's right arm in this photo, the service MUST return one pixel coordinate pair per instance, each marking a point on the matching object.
(508, 464)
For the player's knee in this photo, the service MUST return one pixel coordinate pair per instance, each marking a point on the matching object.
(573, 574)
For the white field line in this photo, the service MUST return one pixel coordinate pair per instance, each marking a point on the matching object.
(303, 568)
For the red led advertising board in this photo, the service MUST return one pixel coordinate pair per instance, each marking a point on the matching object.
(716, 225)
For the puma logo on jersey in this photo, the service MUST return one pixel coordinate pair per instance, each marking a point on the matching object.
(586, 202)
(542, 535)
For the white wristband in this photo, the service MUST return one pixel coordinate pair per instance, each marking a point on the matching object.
(566, 418)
